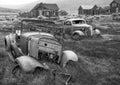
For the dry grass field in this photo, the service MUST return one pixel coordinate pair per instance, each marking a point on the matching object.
(99, 63)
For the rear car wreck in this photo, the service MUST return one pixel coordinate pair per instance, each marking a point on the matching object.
(78, 28)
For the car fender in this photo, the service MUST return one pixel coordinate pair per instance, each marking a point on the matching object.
(8, 40)
(79, 33)
(97, 32)
(29, 64)
(67, 56)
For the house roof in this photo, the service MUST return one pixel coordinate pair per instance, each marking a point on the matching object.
(96, 7)
(47, 6)
(87, 7)
(80, 7)
(51, 6)
(118, 1)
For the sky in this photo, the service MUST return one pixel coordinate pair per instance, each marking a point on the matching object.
(21, 2)
(16, 2)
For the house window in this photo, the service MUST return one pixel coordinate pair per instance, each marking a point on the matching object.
(47, 13)
(114, 5)
(54, 13)
(117, 9)
(40, 12)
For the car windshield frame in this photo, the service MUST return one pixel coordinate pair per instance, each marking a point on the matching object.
(78, 22)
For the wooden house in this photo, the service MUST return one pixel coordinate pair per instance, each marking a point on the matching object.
(80, 10)
(87, 10)
(115, 6)
(45, 9)
(95, 10)
(84, 10)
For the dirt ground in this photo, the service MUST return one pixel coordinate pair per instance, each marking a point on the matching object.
(99, 62)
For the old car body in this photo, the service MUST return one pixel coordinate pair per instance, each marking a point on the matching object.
(42, 44)
(78, 27)
(31, 49)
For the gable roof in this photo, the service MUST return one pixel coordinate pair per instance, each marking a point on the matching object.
(118, 1)
(87, 7)
(80, 7)
(96, 7)
(47, 6)
(51, 6)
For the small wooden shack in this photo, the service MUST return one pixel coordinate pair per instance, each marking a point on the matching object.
(45, 9)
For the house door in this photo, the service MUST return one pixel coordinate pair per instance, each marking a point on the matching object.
(40, 12)
(117, 10)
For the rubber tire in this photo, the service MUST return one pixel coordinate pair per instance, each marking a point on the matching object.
(75, 37)
(17, 71)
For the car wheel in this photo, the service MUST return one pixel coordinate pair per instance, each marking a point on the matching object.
(17, 71)
(75, 37)
(38, 70)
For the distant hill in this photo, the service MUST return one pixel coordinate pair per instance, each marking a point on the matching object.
(8, 10)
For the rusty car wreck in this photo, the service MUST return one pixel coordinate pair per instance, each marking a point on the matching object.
(31, 50)
(78, 28)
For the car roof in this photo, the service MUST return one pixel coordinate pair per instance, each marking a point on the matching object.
(75, 19)
(46, 34)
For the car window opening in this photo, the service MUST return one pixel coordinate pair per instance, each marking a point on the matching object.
(78, 22)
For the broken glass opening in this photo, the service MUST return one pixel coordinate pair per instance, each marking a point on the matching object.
(78, 22)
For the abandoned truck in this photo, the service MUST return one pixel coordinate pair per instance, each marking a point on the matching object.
(33, 49)
(78, 28)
